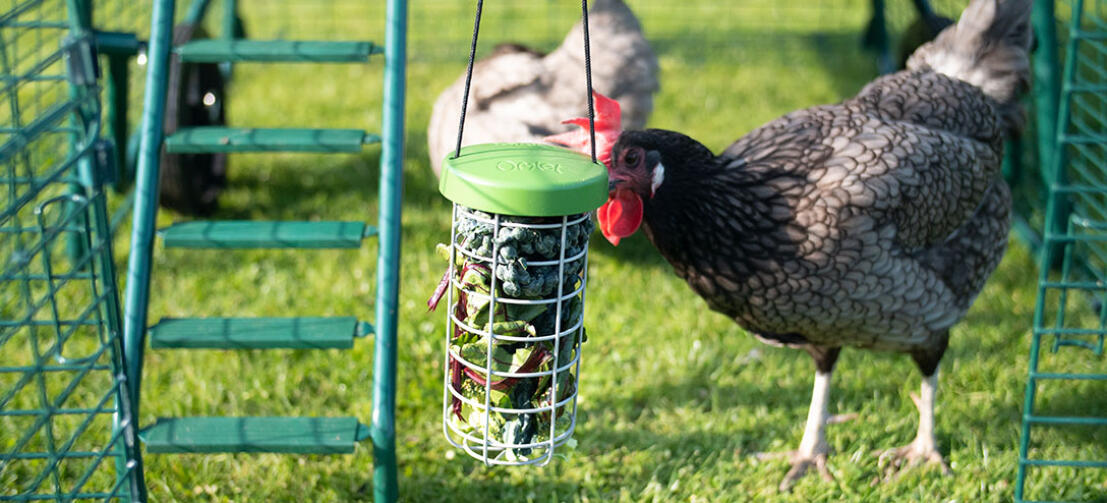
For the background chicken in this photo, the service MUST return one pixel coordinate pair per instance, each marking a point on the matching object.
(521, 95)
(872, 223)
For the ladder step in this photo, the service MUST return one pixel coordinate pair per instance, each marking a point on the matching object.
(1066, 420)
(288, 51)
(223, 139)
(257, 234)
(300, 435)
(254, 333)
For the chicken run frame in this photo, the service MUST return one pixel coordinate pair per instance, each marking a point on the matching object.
(72, 354)
(71, 342)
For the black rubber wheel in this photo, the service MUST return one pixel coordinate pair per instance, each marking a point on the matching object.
(192, 183)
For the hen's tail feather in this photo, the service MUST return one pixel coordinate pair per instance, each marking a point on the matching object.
(988, 48)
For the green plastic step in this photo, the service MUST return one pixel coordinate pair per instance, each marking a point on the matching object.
(223, 139)
(255, 234)
(254, 333)
(300, 435)
(287, 51)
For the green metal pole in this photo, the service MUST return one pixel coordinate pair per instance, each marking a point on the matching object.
(146, 195)
(1047, 82)
(196, 11)
(118, 90)
(1047, 95)
(385, 484)
(230, 15)
(876, 38)
(1056, 207)
(128, 460)
(128, 464)
(80, 22)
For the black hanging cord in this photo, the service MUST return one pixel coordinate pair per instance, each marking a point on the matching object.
(468, 77)
(587, 76)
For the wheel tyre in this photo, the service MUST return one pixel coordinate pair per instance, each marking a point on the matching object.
(192, 183)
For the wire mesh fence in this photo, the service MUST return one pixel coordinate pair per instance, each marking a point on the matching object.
(1065, 416)
(66, 432)
(741, 30)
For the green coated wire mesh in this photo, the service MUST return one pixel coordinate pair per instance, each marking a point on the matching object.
(1064, 434)
(65, 427)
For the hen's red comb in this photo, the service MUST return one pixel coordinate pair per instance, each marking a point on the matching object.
(609, 123)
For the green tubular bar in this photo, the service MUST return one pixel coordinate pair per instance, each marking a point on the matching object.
(260, 234)
(289, 435)
(383, 428)
(196, 11)
(1047, 80)
(146, 194)
(255, 333)
(116, 94)
(230, 16)
(287, 51)
(225, 139)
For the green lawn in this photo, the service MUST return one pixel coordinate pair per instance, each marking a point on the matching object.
(673, 401)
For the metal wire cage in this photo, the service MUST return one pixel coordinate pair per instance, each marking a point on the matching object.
(65, 415)
(1064, 429)
(513, 334)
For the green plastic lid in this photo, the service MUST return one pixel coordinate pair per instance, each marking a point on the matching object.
(524, 179)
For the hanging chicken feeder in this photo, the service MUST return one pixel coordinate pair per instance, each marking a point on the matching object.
(515, 286)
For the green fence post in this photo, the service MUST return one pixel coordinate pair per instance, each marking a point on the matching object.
(146, 195)
(196, 11)
(1056, 215)
(1047, 82)
(383, 428)
(230, 17)
(117, 92)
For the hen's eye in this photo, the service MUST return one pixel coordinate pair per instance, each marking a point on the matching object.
(632, 157)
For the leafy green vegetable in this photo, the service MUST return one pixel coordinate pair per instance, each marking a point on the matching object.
(515, 277)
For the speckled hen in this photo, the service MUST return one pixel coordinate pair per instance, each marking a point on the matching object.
(872, 223)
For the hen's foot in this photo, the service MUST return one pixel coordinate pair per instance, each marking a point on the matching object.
(922, 451)
(800, 464)
(804, 458)
(918, 453)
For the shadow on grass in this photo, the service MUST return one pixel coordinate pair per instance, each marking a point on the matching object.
(658, 455)
(698, 390)
(421, 488)
(290, 187)
(280, 189)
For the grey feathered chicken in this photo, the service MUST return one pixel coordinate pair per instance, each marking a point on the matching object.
(872, 223)
(521, 95)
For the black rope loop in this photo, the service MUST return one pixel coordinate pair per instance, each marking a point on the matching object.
(468, 77)
(587, 76)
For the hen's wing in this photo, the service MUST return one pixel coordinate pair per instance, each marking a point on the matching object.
(915, 149)
(936, 144)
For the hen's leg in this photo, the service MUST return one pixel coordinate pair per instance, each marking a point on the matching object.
(813, 448)
(924, 449)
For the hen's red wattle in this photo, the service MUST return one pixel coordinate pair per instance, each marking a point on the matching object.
(621, 215)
